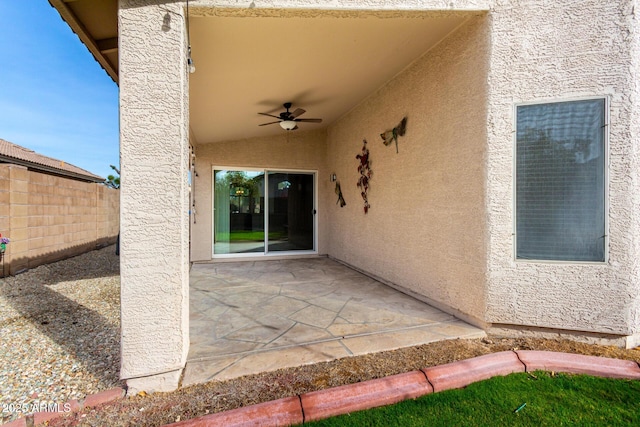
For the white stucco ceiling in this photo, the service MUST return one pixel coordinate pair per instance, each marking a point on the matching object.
(324, 63)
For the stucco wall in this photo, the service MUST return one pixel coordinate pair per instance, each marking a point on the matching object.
(441, 218)
(544, 51)
(154, 149)
(304, 150)
(154, 119)
(49, 218)
(426, 229)
(349, 5)
(634, 137)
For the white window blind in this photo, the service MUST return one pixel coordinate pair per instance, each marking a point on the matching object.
(560, 188)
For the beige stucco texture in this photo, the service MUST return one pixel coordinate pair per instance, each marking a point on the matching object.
(425, 230)
(441, 222)
(299, 150)
(154, 151)
(553, 51)
(442, 209)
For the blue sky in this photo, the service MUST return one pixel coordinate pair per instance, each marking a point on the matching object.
(54, 97)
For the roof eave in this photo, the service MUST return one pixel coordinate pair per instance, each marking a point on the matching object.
(81, 31)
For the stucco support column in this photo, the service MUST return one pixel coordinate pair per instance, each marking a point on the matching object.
(154, 117)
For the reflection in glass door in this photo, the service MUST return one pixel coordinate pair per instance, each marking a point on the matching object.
(245, 221)
(291, 211)
(238, 216)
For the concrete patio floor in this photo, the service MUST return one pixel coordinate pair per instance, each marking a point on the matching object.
(248, 317)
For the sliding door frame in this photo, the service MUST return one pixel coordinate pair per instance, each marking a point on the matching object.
(265, 253)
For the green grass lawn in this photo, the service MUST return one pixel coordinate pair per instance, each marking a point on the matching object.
(247, 236)
(551, 400)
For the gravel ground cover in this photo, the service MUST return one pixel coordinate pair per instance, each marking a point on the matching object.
(159, 409)
(60, 335)
(59, 332)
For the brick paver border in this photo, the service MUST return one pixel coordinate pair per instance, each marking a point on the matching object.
(383, 391)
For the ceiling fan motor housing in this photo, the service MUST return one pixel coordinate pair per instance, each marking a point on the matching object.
(288, 120)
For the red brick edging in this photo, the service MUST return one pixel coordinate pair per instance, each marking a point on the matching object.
(384, 391)
(90, 401)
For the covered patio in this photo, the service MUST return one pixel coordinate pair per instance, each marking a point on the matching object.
(440, 220)
(254, 316)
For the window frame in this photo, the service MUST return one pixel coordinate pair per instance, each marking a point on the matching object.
(606, 159)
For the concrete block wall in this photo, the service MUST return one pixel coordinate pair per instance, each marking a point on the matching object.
(5, 207)
(107, 214)
(49, 218)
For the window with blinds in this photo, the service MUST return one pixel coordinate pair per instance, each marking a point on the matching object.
(560, 181)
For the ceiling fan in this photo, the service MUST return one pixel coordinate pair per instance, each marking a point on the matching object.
(289, 120)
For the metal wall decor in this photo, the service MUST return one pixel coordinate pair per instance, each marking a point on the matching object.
(341, 200)
(391, 135)
(364, 168)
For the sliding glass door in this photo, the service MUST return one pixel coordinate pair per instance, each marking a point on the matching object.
(238, 211)
(291, 212)
(258, 211)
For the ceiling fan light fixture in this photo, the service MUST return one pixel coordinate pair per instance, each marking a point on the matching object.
(288, 124)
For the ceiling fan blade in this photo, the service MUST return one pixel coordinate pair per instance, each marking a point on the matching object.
(270, 115)
(309, 120)
(298, 112)
(270, 123)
